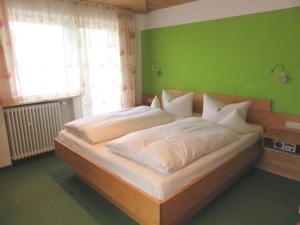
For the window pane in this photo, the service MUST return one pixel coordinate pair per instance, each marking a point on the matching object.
(42, 61)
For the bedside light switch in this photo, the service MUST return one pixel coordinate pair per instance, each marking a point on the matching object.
(292, 125)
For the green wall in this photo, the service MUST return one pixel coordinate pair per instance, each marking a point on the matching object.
(229, 56)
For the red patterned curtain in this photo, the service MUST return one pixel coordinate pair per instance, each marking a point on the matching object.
(127, 37)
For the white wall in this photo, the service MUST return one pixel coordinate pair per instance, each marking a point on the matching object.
(202, 10)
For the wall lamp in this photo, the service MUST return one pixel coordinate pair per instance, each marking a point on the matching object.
(283, 78)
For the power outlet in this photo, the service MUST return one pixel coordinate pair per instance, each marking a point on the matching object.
(292, 125)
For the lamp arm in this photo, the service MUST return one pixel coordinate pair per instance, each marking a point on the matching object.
(278, 65)
(283, 77)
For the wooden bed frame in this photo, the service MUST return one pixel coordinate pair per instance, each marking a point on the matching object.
(181, 205)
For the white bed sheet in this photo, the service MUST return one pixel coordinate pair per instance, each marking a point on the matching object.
(158, 186)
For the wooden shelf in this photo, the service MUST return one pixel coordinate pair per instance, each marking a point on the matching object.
(279, 162)
(286, 136)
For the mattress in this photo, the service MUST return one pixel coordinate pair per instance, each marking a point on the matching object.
(158, 186)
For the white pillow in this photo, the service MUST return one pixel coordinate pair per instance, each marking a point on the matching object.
(236, 122)
(210, 105)
(155, 103)
(215, 110)
(181, 106)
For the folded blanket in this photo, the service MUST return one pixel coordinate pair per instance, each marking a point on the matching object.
(76, 126)
(172, 146)
(114, 128)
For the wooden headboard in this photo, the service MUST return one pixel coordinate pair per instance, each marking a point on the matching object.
(257, 104)
(259, 111)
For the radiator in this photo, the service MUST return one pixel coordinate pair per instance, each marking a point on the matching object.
(31, 129)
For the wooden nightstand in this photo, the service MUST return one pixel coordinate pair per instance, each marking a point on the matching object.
(278, 161)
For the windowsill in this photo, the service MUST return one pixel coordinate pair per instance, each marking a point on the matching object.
(12, 103)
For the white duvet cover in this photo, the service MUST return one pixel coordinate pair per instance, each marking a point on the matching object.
(76, 126)
(114, 128)
(170, 147)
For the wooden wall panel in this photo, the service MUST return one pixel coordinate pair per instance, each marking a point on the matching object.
(158, 4)
(256, 104)
(259, 112)
(272, 120)
(138, 6)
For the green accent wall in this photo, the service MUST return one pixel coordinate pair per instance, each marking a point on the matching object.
(229, 56)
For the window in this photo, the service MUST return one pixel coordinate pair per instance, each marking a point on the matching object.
(48, 64)
(57, 49)
(44, 63)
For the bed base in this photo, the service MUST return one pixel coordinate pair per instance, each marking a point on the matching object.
(142, 207)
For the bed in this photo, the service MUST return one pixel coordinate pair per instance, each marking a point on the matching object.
(152, 199)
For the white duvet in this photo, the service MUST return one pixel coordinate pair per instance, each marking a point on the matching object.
(117, 127)
(76, 126)
(170, 147)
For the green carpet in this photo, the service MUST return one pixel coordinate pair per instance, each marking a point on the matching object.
(44, 191)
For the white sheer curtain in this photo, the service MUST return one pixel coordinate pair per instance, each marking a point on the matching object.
(59, 48)
(43, 44)
(100, 58)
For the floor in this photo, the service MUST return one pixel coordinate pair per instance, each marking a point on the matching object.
(45, 191)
